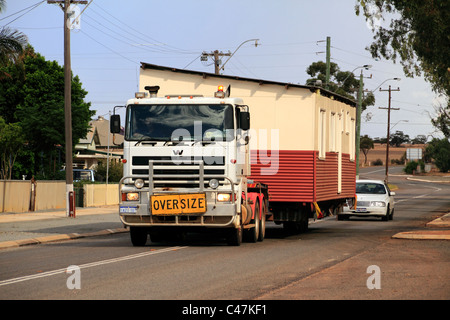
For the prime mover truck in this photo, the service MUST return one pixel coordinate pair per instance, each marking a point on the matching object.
(190, 165)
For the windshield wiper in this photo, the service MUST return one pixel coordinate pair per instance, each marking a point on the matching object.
(148, 139)
(204, 142)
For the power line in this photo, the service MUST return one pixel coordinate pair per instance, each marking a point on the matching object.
(87, 35)
(34, 6)
(146, 36)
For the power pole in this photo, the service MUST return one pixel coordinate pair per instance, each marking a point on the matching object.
(217, 61)
(328, 63)
(358, 119)
(70, 197)
(388, 128)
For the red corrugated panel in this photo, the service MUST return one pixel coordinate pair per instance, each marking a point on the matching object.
(290, 176)
(299, 176)
(327, 177)
(348, 176)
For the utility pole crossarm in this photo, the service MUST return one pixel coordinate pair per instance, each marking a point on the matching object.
(216, 55)
(62, 1)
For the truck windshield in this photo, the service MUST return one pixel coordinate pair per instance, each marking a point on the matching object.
(170, 122)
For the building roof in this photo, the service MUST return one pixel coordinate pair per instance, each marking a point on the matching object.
(323, 91)
(101, 126)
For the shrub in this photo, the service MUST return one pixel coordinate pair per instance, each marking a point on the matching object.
(377, 162)
(115, 172)
(410, 167)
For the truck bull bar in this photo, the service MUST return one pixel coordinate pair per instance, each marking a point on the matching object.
(177, 220)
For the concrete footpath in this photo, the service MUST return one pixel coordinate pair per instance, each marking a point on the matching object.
(20, 229)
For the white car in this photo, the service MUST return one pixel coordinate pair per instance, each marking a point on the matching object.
(373, 198)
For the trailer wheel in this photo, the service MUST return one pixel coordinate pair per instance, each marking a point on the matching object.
(138, 236)
(235, 236)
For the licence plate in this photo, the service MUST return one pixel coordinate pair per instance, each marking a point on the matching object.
(127, 209)
(178, 203)
(361, 209)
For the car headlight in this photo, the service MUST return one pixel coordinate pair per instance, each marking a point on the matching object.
(377, 204)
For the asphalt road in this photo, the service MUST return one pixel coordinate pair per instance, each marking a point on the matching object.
(330, 261)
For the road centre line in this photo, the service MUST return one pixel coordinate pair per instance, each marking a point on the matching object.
(89, 265)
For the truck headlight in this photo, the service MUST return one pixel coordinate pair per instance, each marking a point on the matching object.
(139, 183)
(223, 197)
(214, 183)
(132, 196)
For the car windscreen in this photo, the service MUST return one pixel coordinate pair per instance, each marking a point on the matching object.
(370, 188)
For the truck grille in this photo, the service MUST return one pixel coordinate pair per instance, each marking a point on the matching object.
(183, 172)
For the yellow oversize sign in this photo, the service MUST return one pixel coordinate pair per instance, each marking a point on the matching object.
(179, 203)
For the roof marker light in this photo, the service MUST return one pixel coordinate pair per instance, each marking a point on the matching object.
(219, 93)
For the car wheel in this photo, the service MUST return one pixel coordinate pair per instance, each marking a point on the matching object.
(386, 216)
(391, 217)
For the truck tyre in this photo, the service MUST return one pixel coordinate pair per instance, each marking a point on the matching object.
(235, 236)
(262, 224)
(138, 236)
(252, 234)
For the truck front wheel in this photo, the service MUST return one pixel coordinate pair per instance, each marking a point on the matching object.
(235, 236)
(138, 236)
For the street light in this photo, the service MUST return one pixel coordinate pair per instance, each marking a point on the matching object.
(358, 114)
(366, 66)
(397, 79)
(398, 123)
(256, 44)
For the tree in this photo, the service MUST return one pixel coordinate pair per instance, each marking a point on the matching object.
(366, 143)
(398, 138)
(343, 83)
(439, 150)
(442, 120)
(12, 42)
(11, 142)
(418, 36)
(35, 100)
(419, 139)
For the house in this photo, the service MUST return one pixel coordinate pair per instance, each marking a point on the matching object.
(93, 149)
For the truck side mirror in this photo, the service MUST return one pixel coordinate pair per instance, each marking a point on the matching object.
(114, 125)
(244, 120)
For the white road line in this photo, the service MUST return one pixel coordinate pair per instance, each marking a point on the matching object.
(370, 172)
(88, 265)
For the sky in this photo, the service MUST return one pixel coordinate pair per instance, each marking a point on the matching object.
(115, 36)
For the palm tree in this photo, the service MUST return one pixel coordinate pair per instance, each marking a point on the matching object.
(12, 42)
